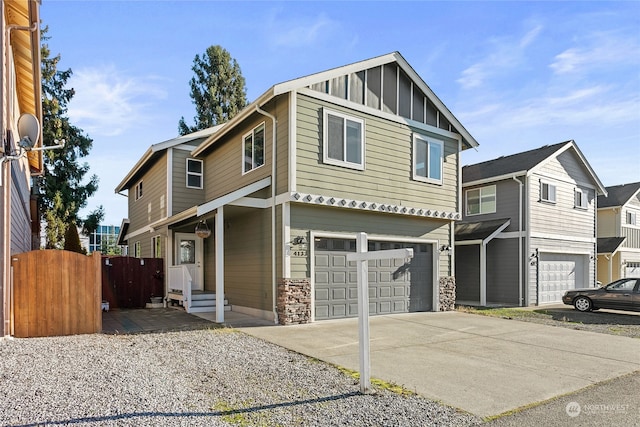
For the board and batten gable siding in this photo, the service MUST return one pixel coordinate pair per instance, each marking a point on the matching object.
(223, 162)
(183, 197)
(507, 203)
(320, 219)
(562, 217)
(152, 206)
(387, 177)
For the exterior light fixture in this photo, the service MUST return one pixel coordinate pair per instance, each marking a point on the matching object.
(202, 229)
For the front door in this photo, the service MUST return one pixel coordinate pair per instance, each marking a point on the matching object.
(188, 252)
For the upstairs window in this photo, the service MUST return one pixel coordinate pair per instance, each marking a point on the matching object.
(481, 200)
(343, 140)
(631, 218)
(194, 173)
(428, 155)
(547, 192)
(139, 190)
(580, 199)
(253, 149)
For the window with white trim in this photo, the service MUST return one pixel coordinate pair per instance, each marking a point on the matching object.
(156, 244)
(253, 149)
(481, 200)
(428, 157)
(547, 192)
(631, 218)
(139, 190)
(136, 250)
(194, 173)
(580, 199)
(343, 140)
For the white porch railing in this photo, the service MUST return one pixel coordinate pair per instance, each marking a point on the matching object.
(180, 280)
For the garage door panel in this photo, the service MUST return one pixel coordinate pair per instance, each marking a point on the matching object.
(558, 273)
(393, 284)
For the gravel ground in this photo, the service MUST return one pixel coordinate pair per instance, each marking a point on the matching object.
(216, 377)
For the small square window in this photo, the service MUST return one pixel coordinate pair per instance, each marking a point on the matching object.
(194, 173)
(481, 200)
(547, 192)
(631, 218)
(343, 140)
(580, 197)
(428, 157)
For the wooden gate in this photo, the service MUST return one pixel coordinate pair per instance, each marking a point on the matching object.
(56, 292)
(129, 282)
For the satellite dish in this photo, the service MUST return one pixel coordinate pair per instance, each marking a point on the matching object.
(28, 131)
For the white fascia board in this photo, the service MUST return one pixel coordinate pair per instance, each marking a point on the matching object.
(144, 159)
(494, 179)
(233, 196)
(251, 202)
(467, 242)
(187, 213)
(138, 232)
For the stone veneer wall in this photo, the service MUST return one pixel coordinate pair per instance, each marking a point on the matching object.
(447, 293)
(294, 301)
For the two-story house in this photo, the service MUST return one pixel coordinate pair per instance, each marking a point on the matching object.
(290, 181)
(529, 227)
(619, 233)
(21, 112)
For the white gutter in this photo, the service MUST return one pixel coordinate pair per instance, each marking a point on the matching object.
(520, 302)
(274, 285)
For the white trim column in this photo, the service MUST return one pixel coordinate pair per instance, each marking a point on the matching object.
(483, 274)
(219, 243)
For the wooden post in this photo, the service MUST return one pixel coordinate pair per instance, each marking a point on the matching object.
(362, 257)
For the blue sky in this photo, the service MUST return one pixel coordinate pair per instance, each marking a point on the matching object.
(518, 75)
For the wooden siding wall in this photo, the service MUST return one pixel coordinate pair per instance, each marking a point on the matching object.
(247, 258)
(608, 223)
(507, 203)
(631, 232)
(468, 273)
(152, 206)
(223, 162)
(334, 220)
(566, 174)
(56, 293)
(182, 197)
(388, 162)
(20, 213)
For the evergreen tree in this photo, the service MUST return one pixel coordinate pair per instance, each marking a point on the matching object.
(217, 89)
(72, 240)
(64, 187)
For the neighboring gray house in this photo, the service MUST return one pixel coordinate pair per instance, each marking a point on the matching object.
(529, 227)
(291, 179)
(619, 232)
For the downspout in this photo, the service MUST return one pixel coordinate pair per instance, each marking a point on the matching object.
(5, 168)
(274, 286)
(520, 302)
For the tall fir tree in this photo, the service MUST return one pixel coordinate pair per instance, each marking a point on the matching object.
(64, 187)
(218, 89)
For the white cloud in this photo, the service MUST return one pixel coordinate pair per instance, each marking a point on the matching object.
(300, 31)
(506, 53)
(108, 103)
(597, 51)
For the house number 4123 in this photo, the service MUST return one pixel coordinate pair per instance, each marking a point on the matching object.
(299, 253)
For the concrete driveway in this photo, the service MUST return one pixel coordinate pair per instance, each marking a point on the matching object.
(483, 365)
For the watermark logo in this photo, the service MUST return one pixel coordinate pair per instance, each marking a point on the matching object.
(573, 409)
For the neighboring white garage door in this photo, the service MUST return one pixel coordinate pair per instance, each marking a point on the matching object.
(558, 273)
(632, 269)
(394, 286)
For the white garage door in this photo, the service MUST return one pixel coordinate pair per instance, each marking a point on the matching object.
(632, 269)
(395, 286)
(558, 273)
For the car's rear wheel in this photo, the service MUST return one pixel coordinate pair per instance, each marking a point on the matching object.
(582, 304)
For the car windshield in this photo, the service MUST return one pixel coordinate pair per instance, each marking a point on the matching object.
(622, 285)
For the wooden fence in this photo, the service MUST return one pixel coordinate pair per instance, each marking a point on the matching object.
(56, 293)
(129, 282)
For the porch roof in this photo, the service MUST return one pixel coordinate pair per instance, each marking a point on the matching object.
(480, 231)
(609, 245)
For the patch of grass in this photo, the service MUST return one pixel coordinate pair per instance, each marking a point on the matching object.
(378, 383)
(237, 416)
(505, 313)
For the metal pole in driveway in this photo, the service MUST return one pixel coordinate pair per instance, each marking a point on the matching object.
(362, 257)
